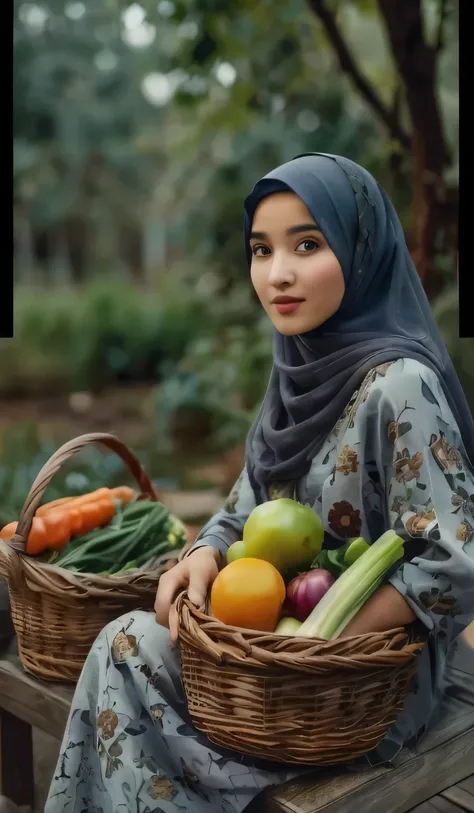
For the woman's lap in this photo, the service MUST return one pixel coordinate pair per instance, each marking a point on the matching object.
(130, 744)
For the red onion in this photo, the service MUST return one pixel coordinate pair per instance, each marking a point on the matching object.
(307, 590)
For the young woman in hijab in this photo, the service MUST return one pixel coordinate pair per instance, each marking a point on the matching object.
(365, 420)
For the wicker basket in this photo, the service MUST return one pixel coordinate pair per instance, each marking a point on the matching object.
(57, 614)
(289, 699)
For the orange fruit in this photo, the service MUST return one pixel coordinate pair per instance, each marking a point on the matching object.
(248, 593)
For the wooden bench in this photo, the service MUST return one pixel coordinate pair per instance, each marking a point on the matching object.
(26, 702)
(444, 758)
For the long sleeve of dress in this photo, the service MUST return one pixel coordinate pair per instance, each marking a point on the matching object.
(225, 527)
(401, 464)
(430, 496)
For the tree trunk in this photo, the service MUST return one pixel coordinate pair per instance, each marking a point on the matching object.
(76, 241)
(435, 208)
(42, 252)
(434, 216)
(131, 251)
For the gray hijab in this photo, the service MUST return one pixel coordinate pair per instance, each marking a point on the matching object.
(384, 315)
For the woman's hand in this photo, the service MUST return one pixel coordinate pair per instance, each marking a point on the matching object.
(195, 572)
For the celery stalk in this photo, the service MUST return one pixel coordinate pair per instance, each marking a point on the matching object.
(352, 589)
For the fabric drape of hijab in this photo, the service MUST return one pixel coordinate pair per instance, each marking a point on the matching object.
(384, 315)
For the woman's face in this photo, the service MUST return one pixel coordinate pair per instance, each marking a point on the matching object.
(297, 277)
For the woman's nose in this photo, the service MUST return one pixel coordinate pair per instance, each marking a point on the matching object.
(281, 272)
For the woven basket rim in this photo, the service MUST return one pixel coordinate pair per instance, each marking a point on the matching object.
(19, 569)
(236, 646)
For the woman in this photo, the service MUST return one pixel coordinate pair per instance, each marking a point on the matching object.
(365, 420)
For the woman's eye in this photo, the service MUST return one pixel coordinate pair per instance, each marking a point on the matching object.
(260, 251)
(307, 245)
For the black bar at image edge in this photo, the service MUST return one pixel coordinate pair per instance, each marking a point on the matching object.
(6, 307)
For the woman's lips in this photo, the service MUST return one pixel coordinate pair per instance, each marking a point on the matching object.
(287, 307)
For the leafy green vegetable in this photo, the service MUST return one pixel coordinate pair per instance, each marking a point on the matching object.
(352, 589)
(337, 561)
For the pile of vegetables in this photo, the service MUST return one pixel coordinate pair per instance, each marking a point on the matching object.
(55, 523)
(254, 590)
(105, 532)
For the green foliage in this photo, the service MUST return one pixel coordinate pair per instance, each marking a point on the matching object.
(106, 332)
(91, 144)
(23, 454)
(95, 145)
(225, 376)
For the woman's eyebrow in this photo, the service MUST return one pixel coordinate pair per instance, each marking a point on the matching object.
(261, 235)
(303, 227)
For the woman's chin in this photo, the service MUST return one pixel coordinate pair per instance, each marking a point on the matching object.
(293, 327)
(288, 330)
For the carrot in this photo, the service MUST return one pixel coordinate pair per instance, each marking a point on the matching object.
(8, 531)
(37, 538)
(76, 521)
(54, 529)
(57, 529)
(123, 493)
(49, 506)
(97, 513)
(71, 502)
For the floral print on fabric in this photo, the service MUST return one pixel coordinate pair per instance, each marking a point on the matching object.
(465, 532)
(407, 467)
(344, 519)
(129, 745)
(447, 457)
(347, 461)
(394, 460)
(418, 523)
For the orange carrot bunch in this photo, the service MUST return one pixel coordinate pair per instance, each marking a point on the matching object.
(55, 523)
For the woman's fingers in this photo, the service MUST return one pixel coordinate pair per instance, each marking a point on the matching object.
(200, 579)
(173, 623)
(196, 573)
(168, 587)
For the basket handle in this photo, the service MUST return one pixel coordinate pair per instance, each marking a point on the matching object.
(53, 465)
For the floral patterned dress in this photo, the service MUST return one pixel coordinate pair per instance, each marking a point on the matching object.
(394, 460)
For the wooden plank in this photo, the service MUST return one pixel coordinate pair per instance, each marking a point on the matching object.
(468, 784)
(441, 805)
(44, 705)
(381, 790)
(448, 728)
(17, 760)
(426, 807)
(330, 785)
(459, 797)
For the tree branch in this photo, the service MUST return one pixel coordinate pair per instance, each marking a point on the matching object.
(443, 9)
(416, 63)
(350, 67)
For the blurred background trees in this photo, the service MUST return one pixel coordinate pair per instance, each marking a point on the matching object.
(139, 128)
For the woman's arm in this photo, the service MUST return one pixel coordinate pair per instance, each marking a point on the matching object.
(225, 527)
(413, 477)
(196, 575)
(386, 610)
(431, 504)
